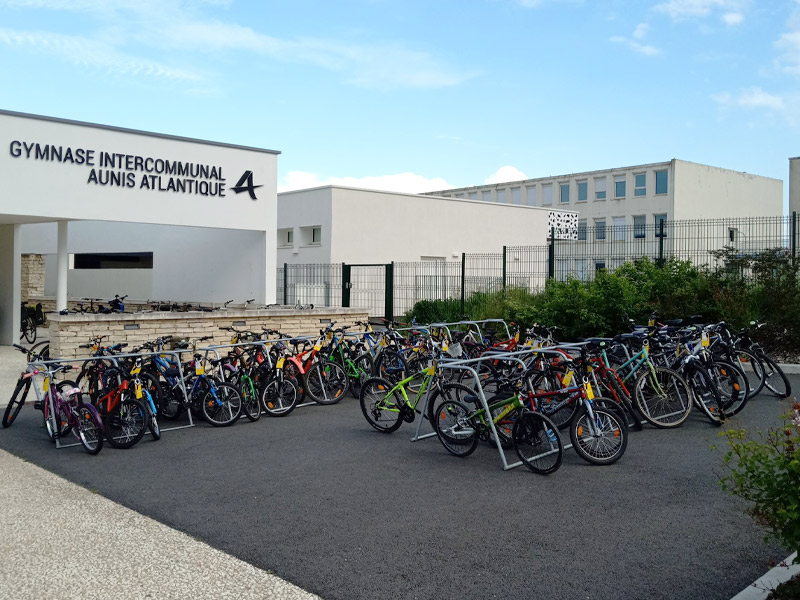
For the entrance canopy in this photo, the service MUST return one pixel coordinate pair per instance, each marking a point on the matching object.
(60, 170)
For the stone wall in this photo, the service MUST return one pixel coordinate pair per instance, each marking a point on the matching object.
(68, 332)
(32, 276)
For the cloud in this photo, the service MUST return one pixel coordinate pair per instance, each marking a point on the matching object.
(407, 183)
(733, 18)
(506, 174)
(93, 53)
(175, 25)
(753, 97)
(634, 43)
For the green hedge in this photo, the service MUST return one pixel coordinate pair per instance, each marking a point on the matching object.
(636, 289)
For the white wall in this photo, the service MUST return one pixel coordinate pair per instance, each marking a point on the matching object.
(10, 284)
(379, 227)
(304, 209)
(189, 263)
(794, 185)
(703, 192)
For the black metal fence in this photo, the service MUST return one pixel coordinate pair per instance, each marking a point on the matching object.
(394, 288)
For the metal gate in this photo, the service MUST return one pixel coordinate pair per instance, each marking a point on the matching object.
(369, 286)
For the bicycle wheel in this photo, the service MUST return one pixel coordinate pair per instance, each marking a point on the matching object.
(663, 397)
(622, 399)
(170, 404)
(753, 368)
(279, 398)
(390, 365)
(359, 371)
(775, 379)
(125, 425)
(732, 384)
(326, 382)
(706, 395)
(16, 402)
(455, 430)
(381, 408)
(537, 443)
(28, 329)
(251, 403)
(598, 441)
(222, 404)
(449, 391)
(90, 429)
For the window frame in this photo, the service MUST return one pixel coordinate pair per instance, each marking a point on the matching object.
(598, 228)
(620, 180)
(639, 190)
(665, 173)
(583, 186)
(639, 229)
(562, 188)
(604, 191)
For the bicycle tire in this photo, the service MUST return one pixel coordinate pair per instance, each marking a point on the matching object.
(16, 402)
(537, 443)
(390, 365)
(454, 429)
(362, 370)
(170, 404)
(28, 326)
(753, 368)
(439, 395)
(706, 395)
(380, 409)
(152, 423)
(90, 428)
(224, 408)
(775, 379)
(326, 382)
(251, 400)
(733, 386)
(622, 399)
(126, 424)
(602, 448)
(280, 397)
(663, 397)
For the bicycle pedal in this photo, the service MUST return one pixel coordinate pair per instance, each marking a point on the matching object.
(408, 415)
(38, 404)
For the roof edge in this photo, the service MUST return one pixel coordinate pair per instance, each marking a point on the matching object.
(166, 136)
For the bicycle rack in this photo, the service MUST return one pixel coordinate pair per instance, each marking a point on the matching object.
(466, 365)
(47, 372)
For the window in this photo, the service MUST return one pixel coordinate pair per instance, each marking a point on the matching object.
(599, 265)
(564, 190)
(580, 269)
(501, 195)
(639, 226)
(582, 230)
(619, 229)
(600, 229)
(460, 195)
(600, 188)
(473, 195)
(531, 190)
(661, 182)
(583, 191)
(640, 184)
(316, 235)
(658, 220)
(547, 194)
(619, 186)
(285, 237)
(515, 196)
(562, 269)
(487, 195)
(112, 260)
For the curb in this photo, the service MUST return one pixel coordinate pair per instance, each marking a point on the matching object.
(761, 587)
(790, 369)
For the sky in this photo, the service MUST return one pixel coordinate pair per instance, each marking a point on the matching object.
(419, 96)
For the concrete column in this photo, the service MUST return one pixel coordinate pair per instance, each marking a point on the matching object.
(62, 268)
(794, 185)
(10, 284)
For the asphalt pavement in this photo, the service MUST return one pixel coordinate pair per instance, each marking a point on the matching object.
(323, 501)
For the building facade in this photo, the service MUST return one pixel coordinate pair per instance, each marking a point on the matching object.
(640, 196)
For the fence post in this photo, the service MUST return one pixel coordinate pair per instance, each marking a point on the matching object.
(345, 285)
(793, 242)
(463, 276)
(388, 303)
(551, 254)
(285, 283)
(504, 269)
(661, 243)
